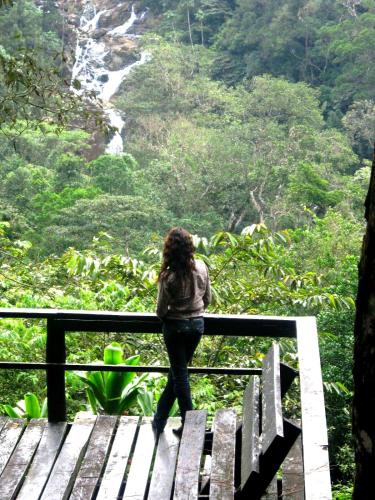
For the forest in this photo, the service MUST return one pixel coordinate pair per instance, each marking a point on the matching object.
(251, 124)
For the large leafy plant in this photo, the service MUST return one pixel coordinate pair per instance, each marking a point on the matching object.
(113, 392)
(28, 407)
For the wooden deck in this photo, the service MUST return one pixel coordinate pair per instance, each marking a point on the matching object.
(271, 456)
(108, 457)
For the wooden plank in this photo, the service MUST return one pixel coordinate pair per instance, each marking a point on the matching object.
(55, 353)
(118, 459)
(272, 418)
(43, 461)
(314, 435)
(271, 492)
(9, 437)
(3, 421)
(93, 462)
(215, 324)
(68, 462)
(189, 457)
(223, 454)
(206, 474)
(136, 482)
(165, 463)
(250, 447)
(15, 469)
(293, 480)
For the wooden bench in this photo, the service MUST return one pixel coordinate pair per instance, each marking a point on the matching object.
(109, 457)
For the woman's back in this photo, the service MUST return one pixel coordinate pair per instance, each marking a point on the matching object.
(184, 298)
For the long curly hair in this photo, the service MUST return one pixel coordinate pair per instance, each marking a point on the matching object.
(178, 254)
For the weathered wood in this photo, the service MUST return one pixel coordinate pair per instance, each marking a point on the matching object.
(293, 480)
(93, 462)
(189, 457)
(118, 459)
(206, 474)
(15, 469)
(136, 482)
(272, 418)
(314, 436)
(64, 472)
(55, 353)
(223, 454)
(7, 365)
(9, 437)
(278, 434)
(215, 324)
(3, 421)
(48, 449)
(165, 463)
(250, 447)
(271, 492)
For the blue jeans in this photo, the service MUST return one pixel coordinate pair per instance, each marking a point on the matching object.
(181, 338)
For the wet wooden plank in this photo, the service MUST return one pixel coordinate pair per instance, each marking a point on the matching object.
(271, 492)
(9, 437)
(293, 480)
(3, 421)
(165, 462)
(118, 459)
(250, 448)
(14, 471)
(189, 457)
(93, 462)
(223, 454)
(64, 472)
(48, 449)
(136, 482)
(272, 418)
(314, 435)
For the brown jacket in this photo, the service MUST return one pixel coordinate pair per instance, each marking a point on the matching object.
(187, 301)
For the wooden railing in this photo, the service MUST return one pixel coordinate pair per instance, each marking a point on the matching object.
(303, 329)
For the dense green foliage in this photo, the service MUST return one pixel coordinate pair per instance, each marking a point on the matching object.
(251, 125)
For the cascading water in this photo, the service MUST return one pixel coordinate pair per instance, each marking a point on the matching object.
(91, 66)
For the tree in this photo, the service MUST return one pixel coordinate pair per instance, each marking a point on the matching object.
(114, 174)
(364, 357)
(33, 87)
(359, 122)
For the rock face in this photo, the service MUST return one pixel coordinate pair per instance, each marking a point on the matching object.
(104, 38)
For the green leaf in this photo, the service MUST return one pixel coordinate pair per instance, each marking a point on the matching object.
(32, 406)
(92, 400)
(12, 412)
(113, 354)
(44, 410)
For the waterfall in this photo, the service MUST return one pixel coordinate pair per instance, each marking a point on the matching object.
(91, 65)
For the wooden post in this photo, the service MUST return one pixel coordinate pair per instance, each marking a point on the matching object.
(55, 353)
(314, 426)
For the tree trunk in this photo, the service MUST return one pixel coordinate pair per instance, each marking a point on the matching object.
(364, 358)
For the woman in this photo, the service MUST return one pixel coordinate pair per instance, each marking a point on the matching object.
(183, 294)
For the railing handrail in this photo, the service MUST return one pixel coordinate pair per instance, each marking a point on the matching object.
(118, 321)
(314, 435)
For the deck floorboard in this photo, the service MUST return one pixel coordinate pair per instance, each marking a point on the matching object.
(43, 461)
(14, 471)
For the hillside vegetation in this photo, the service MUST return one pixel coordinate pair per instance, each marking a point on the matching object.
(251, 125)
